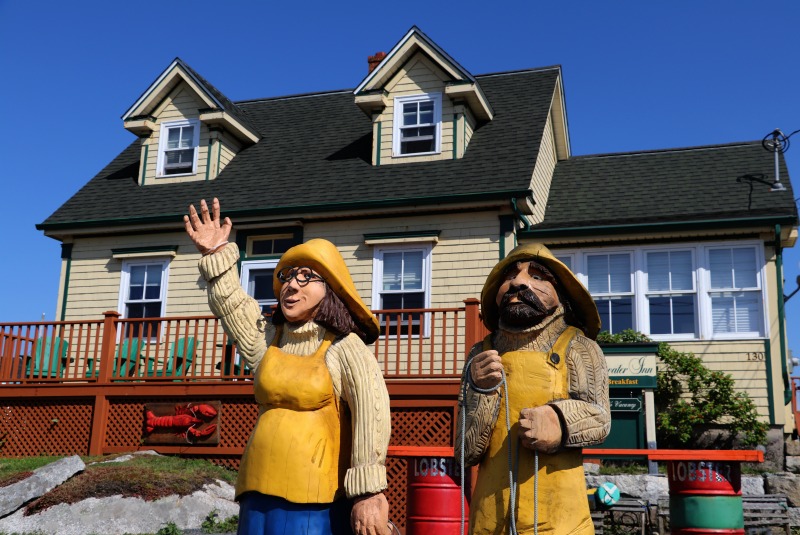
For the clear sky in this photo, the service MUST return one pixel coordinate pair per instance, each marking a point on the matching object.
(637, 75)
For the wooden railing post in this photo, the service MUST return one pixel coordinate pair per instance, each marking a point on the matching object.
(100, 416)
(472, 328)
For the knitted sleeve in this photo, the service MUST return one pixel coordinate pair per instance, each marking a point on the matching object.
(480, 412)
(240, 314)
(586, 414)
(364, 390)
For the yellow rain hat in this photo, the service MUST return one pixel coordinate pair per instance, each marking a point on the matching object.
(583, 306)
(323, 257)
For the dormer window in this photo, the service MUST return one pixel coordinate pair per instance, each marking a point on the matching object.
(418, 125)
(177, 148)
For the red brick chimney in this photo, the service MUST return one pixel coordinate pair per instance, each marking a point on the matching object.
(375, 60)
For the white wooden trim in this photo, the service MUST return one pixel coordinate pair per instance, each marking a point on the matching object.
(397, 121)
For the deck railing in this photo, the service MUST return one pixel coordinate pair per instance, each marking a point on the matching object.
(414, 344)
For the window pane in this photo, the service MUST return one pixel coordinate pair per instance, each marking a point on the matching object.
(660, 315)
(622, 314)
(414, 300)
(187, 136)
(566, 260)
(412, 270)
(414, 147)
(153, 284)
(747, 312)
(426, 112)
(259, 284)
(657, 273)
(392, 271)
(410, 114)
(604, 308)
(391, 301)
(597, 267)
(282, 245)
(136, 288)
(722, 313)
(683, 314)
(744, 265)
(173, 138)
(721, 267)
(680, 263)
(620, 268)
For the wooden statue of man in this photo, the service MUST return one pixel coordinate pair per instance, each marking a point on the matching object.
(541, 350)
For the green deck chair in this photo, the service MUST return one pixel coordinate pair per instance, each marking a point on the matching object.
(179, 361)
(128, 354)
(47, 362)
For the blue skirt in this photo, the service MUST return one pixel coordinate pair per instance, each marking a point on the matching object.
(260, 514)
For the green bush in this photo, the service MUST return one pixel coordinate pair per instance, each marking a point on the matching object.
(689, 395)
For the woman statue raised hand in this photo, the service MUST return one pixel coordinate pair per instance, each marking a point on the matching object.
(315, 462)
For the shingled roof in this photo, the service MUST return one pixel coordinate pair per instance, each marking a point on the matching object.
(677, 185)
(315, 154)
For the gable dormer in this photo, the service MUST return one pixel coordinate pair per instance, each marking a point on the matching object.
(189, 129)
(423, 104)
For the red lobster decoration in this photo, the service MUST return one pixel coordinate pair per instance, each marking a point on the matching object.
(188, 420)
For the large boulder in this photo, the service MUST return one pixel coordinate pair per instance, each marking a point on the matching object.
(784, 483)
(42, 480)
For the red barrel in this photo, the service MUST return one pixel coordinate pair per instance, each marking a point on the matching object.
(705, 497)
(433, 505)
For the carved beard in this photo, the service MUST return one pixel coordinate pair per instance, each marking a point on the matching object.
(526, 312)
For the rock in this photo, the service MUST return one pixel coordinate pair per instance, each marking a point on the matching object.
(644, 487)
(591, 469)
(41, 481)
(784, 483)
(794, 516)
(793, 463)
(117, 515)
(752, 485)
(792, 446)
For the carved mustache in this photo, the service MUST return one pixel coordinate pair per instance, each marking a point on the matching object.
(525, 296)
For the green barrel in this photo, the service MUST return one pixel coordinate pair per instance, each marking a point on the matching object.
(705, 497)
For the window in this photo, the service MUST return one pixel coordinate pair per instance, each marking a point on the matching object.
(257, 278)
(270, 244)
(177, 148)
(735, 290)
(402, 281)
(417, 125)
(681, 292)
(609, 277)
(671, 292)
(142, 295)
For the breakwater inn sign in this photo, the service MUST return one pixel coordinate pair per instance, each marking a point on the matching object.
(631, 381)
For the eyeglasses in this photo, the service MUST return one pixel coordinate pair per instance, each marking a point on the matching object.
(303, 275)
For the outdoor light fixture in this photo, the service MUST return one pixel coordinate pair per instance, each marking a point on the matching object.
(777, 142)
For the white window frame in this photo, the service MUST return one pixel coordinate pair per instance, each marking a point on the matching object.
(377, 278)
(248, 265)
(643, 297)
(124, 287)
(162, 146)
(702, 281)
(436, 98)
(632, 282)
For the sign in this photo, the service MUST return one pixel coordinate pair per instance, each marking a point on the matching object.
(626, 404)
(631, 370)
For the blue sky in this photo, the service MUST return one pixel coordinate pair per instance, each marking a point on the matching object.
(637, 75)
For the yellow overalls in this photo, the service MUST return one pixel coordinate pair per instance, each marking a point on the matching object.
(534, 378)
(300, 447)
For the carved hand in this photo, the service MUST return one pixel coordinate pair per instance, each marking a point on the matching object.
(486, 369)
(205, 230)
(370, 515)
(540, 429)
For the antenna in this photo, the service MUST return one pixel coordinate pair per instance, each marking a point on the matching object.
(777, 142)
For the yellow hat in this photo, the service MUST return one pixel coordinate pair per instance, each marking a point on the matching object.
(583, 306)
(323, 257)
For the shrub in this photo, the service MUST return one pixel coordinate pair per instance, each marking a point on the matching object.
(689, 395)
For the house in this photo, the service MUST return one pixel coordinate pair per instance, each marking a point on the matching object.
(424, 176)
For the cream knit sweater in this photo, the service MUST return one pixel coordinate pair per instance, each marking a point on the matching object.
(357, 379)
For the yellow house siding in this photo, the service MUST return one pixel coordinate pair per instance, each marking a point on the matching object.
(543, 171)
(744, 361)
(418, 77)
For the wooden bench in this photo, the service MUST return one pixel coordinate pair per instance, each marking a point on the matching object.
(762, 513)
(628, 515)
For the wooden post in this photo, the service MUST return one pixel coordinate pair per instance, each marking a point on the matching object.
(100, 416)
(473, 326)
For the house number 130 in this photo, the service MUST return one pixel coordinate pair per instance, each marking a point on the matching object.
(756, 356)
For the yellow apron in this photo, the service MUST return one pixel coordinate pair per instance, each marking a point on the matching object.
(300, 447)
(534, 378)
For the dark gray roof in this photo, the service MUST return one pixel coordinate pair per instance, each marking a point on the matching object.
(315, 151)
(227, 105)
(678, 185)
